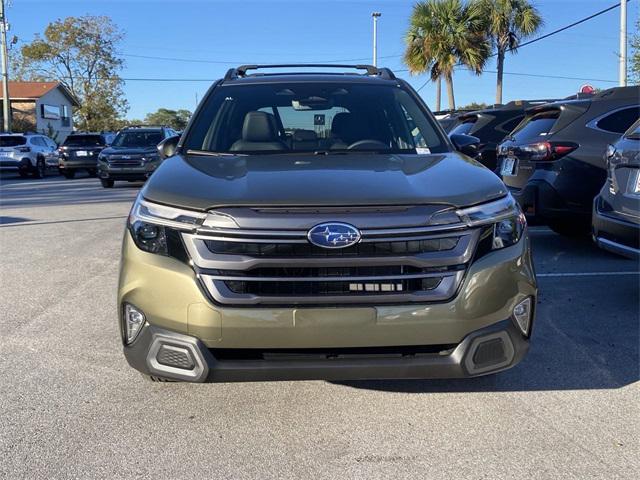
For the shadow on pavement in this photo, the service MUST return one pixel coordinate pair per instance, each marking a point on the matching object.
(585, 337)
(16, 192)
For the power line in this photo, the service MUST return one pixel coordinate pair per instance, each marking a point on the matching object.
(225, 62)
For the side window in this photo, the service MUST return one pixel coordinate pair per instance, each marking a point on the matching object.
(619, 121)
(37, 141)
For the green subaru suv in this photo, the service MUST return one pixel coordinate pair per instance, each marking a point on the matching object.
(316, 225)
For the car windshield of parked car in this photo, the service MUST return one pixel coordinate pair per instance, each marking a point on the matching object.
(140, 139)
(83, 141)
(12, 141)
(312, 117)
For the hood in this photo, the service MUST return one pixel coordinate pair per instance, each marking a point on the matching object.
(204, 182)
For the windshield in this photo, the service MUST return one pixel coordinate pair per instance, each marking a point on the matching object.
(12, 141)
(311, 117)
(83, 141)
(138, 139)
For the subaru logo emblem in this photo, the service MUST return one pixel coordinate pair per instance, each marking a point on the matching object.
(334, 235)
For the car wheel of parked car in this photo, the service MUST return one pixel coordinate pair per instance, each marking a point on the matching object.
(569, 228)
(106, 182)
(41, 169)
(69, 174)
(23, 173)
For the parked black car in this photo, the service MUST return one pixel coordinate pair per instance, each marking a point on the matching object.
(553, 162)
(133, 155)
(616, 210)
(491, 126)
(80, 151)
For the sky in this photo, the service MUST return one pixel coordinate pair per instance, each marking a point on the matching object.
(210, 36)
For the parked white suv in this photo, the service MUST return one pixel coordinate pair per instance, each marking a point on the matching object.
(27, 153)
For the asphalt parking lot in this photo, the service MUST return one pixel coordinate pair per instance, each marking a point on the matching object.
(70, 407)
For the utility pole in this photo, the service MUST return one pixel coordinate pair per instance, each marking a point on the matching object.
(375, 16)
(6, 103)
(623, 43)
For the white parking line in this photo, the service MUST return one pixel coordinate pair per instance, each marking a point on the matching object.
(586, 274)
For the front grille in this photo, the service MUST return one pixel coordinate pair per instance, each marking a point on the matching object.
(352, 287)
(279, 266)
(308, 250)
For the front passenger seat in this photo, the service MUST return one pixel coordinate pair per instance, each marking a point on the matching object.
(258, 133)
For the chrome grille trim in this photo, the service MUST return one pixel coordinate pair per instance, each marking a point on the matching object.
(447, 265)
(203, 258)
(444, 291)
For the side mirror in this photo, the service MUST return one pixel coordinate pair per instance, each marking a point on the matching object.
(466, 144)
(167, 147)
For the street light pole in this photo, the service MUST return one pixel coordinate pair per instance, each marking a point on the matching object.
(375, 16)
(623, 43)
(6, 103)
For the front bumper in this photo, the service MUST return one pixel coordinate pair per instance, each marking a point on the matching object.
(127, 172)
(175, 305)
(615, 234)
(160, 352)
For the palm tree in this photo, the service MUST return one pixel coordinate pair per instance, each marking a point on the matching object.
(443, 34)
(508, 22)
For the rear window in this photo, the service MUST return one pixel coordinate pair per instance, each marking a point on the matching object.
(619, 121)
(309, 116)
(83, 141)
(12, 141)
(509, 125)
(538, 125)
(465, 127)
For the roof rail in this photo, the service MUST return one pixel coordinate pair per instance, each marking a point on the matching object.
(241, 71)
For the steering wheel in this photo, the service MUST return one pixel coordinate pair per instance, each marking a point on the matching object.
(368, 144)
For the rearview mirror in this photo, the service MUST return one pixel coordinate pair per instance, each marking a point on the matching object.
(167, 147)
(466, 144)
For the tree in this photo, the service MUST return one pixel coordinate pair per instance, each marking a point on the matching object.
(81, 53)
(508, 22)
(176, 119)
(442, 35)
(475, 106)
(634, 64)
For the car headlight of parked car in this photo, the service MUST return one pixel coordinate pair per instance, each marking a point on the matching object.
(153, 226)
(503, 221)
(504, 217)
(151, 157)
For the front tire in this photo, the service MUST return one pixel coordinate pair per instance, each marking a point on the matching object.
(69, 174)
(40, 169)
(107, 182)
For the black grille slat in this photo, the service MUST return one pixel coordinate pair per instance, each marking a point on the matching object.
(297, 250)
(302, 288)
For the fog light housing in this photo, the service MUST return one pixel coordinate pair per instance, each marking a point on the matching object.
(134, 320)
(522, 314)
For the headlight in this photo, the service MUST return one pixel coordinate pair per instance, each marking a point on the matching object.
(504, 220)
(151, 157)
(153, 226)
